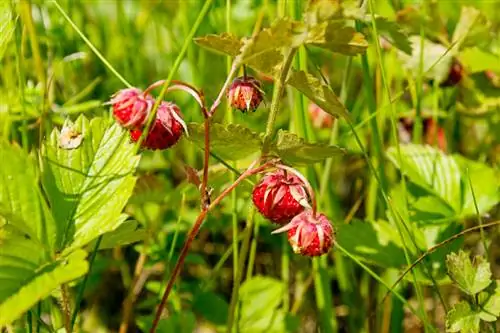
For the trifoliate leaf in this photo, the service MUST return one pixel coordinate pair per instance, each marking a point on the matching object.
(471, 277)
(294, 150)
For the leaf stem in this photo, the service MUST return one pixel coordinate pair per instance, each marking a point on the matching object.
(66, 308)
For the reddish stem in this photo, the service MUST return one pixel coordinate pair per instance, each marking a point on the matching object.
(194, 231)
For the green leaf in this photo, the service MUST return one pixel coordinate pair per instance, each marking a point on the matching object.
(472, 28)
(319, 93)
(335, 36)
(489, 301)
(462, 318)
(89, 184)
(225, 43)
(391, 31)
(470, 277)
(294, 150)
(27, 274)
(127, 233)
(437, 60)
(231, 142)
(21, 203)
(254, 317)
(211, 307)
(373, 242)
(486, 185)
(182, 322)
(477, 60)
(7, 26)
(262, 52)
(431, 169)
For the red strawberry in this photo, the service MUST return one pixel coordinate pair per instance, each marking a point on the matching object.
(434, 134)
(308, 235)
(320, 118)
(131, 107)
(245, 94)
(280, 196)
(166, 129)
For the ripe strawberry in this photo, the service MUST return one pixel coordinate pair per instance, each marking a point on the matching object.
(131, 107)
(166, 129)
(320, 118)
(280, 196)
(245, 94)
(308, 235)
(434, 134)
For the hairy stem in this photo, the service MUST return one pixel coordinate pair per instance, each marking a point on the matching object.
(66, 308)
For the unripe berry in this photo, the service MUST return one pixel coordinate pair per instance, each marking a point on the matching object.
(245, 94)
(309, 235)
(280, 196)
(166, 129)
(131, 107)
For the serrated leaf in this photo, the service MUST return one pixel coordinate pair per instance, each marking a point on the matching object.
(335, 36)
(28, 274)
(471, 277)
(231, 142)
(224, 43)
(437, 59)
(91, 184)
(462, 318)
(319, 93)
(21, 203)
(6, 26)
(431, 169)
(294, 150)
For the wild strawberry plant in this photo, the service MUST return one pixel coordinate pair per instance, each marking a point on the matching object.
(74, 185)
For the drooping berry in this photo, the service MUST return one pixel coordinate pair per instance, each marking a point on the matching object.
(320, 118)
(280, 196)
(309, 235)
(166, 129)
(245, 94)
(131, 107)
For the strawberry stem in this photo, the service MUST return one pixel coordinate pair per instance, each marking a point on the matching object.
(194, 231)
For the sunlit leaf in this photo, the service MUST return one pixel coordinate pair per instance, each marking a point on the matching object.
(471, 29)
(7, 26)
(489, 301)
(462, 318)
(376, 243)
(225, 43)
(431, 169)
(91, 184)
(317, 92)
(477, 60)
(127, 233)
(437, 59)
(28, 274)
(21, 203)
(470, 276)
(231, 142)
(335, 36)
(394, 34)
(294, 150)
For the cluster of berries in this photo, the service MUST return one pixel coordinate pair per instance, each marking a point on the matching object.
(282, 197)
(131, 108)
